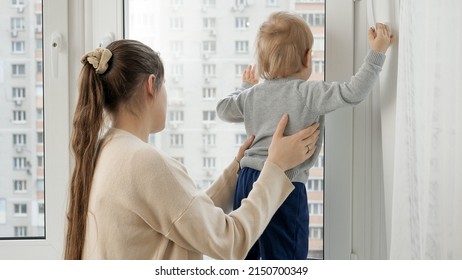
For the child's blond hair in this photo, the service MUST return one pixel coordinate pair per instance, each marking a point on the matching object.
(282, 44)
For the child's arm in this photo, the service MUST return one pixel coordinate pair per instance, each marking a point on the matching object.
(230, 108)
(324, 97)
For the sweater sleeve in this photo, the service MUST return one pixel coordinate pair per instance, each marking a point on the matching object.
(324, 97)
(231, 107)
(167, 200)
(222, 190)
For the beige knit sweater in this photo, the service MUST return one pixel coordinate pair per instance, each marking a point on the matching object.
(143, 205)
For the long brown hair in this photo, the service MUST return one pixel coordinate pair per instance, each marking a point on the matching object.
(130, 64)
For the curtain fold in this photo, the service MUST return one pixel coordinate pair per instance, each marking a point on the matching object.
(427, 181)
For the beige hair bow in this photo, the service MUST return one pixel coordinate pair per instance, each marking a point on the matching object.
(98, 58)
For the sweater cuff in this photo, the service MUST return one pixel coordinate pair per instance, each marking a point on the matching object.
(375, 57)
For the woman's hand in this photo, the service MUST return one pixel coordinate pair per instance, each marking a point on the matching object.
(290, 151)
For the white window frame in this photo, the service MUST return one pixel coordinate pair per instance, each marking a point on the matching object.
(83, 25)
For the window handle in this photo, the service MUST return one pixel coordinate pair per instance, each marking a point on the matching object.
(56, 46)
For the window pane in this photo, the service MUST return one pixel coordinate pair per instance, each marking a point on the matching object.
(21, 122)
(204, 57)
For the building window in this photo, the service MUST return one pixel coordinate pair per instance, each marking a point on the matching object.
(318, 66)
(176, 140)
(2, 211)
(19, 116)
(40, 185)
(39, 67)
(20, 186)
(18, 93)
(39, 137)
(209, 93)
(176, 48)
(209, 70)
(242, 22)
(316, 208)
(17, 3)
(176, 116)
(41, 207)
(209, 23)
(209, 116)
(272, 3)
(240, 2)
(18, 69)
(40, 114)
(20, 209)
(18, 47)
(240, 139)
(176, 23)
(209, 162)
(17, 23)
(40, 162)
(318, 44)
(20, 231)
(209, 46)
(242, 47)
(38, 44)
(209, 140)
(315, 185)
(209, 2)
(319, 162)
(19, 139)
(314, 19)
(20, 163)
(316, 232)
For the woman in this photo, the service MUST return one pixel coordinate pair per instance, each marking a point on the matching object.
(128, 200)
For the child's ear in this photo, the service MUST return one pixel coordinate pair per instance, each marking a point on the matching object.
(307, 61)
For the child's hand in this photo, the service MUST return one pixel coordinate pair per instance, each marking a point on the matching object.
(380, 38)
(249, 75)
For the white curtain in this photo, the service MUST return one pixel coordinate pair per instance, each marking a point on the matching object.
(426, 220)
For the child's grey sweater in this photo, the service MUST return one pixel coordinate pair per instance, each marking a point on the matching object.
(261, 107)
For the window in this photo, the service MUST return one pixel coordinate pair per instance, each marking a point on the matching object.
(176, 140)
(39, 67)
(314, 19)
(176, 23)
(19, 3)
(20, 231)
(219, 74)
(208, 116)
(272, 3)
(40, 137)
(40, 162)
(318, 44)
(316, 208)
(316, 233)
(242, 47)
(209, 93)
(19, 139)
(240, 139)
(20, 163)
(209, 163)
(315, 185)
(318, 66)
(209, 140)
(20, 209)
(209, 46)
(18, 93)
(18, 69)
(179, 159)
(209, 70)
(19, 116)
(2, 211)
(18, 47)
(242, 23)
(209, 23)
(17, 23)
(20, 186)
